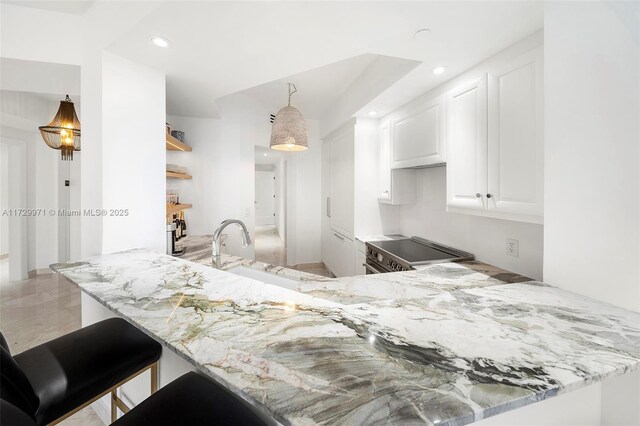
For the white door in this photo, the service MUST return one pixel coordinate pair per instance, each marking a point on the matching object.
(384, 162)
(265, 197)
(467, 146)
(515, 156)
(418, 138)
(326, 200)
(342, 181)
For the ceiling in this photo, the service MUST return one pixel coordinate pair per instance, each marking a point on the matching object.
(72, 7)
(40, 77)
(221, 48)
(321, 88)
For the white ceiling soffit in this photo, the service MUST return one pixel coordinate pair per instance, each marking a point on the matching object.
(39, 77)
(322, 89)
(220, 48)
(71, 7)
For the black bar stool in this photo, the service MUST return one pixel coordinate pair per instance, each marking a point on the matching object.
(54, 380)
(192, 399)
(189, 400)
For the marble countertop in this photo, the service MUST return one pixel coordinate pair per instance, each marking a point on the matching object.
(446, 344)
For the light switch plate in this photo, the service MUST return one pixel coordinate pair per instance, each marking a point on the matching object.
(512, 247)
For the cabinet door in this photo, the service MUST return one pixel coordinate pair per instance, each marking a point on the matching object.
(342, 182)
(515, 163)
(418, 138)
(359, 268)
(467, 146)
(343, 255)
(384, 162)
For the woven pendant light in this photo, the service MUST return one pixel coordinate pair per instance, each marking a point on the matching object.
(289, 131)
(63, 132)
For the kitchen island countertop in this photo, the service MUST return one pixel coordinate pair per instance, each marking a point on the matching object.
(446, 344)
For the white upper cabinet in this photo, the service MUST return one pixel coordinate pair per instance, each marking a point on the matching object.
(418, 135)
(495, 142)
(342, 181)
(515, 167)
(467, 146)
(396, 186)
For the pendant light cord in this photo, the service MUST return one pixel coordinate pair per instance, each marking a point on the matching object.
(295, 89)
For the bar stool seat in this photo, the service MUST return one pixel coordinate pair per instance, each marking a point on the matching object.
(69, 372)
(192, 399)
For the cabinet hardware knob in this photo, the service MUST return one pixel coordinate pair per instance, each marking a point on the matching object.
(489, 195)
(478, 195)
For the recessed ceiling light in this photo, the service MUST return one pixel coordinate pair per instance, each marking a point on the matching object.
(422, 33)
(160, 41)
(373, 112)
(265, 154)
(439, 70)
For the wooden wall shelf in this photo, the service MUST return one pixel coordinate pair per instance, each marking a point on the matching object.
(175, 208)
(178, 175)
(174, 144)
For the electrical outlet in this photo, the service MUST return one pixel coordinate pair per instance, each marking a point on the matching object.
(512, 247)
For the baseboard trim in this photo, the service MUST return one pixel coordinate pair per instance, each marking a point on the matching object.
(41, 271)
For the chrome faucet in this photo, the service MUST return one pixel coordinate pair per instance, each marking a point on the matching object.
(216, 249)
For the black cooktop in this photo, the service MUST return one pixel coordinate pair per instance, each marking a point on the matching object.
(412, 251)
(415, 251)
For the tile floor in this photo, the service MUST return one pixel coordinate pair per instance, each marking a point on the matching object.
(269, 248)
(39, 309)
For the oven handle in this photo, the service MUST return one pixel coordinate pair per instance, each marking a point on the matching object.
(372, 269)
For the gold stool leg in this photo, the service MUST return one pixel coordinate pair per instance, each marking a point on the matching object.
(114, 408)
(154, 377)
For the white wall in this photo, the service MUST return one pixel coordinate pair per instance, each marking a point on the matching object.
(484, 237)
(592, 159)
(123, 154)
(304, 205)
(4, 198)
(281, 198)
(592, 185)
(17, 198)
(133, 155)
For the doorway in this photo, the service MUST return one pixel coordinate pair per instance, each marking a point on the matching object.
(270, 207)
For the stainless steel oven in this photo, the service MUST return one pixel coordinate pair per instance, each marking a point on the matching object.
(374, 268)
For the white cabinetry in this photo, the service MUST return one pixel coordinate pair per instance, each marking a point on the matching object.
(348, 162)
(418, 134)
(394, 186)
(495, 143)
(342, 181)
(342, 255)
(515, 154)
(467, 150)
